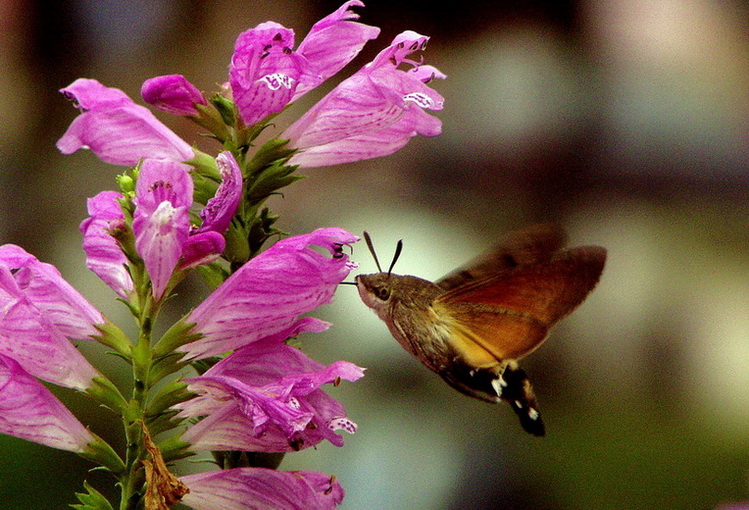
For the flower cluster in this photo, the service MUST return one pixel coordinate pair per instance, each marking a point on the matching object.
(372, 113)
(179, 210)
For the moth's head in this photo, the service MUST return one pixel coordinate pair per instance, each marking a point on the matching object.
(375, 289)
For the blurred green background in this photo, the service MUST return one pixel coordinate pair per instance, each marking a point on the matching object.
(626, 121)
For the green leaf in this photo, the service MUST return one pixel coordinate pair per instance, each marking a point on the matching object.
(225, 108)
(214, 274)
(92, 500)
(179, 334)
(112, 336)
(272, 151)
(262, 229)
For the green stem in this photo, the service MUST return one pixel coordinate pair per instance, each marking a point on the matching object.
(133, 416)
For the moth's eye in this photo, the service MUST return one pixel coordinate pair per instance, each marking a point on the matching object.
(383, 293)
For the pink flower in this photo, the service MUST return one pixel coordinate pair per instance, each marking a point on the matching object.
(172, 94)
(116, 129)
(333, 42)
(266, 397)
(266, 73)
(164, 238)
(373, 113)
(219, 211)
(43, 287)
(267, 294)
(29, 337)
(161, 222)
(244, 488)
(104, 256)
(29, 411)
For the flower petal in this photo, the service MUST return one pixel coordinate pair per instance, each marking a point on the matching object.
(103, 254)
(369, 145)
(246, 488)
(161, 222)
(219, 211)
(172, 94)
(43, 285)
(333, 42)
(27, 335)
(265, 296)
(116, 129)
(373, 113)
(201, 249)
(29, 411)
(267, 397)
(264, 71)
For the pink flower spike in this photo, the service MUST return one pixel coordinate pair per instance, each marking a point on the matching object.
(373, 113)
(28, 336)
(116, 129)
(43, 285)
(267, 397)
(104, 256)
(172, 94)
(333, 42)
(29, 411)
(245, 488)
(161, 224)
(266, 295)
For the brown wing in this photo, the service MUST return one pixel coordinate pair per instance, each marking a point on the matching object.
(532, 244)
(509, 314)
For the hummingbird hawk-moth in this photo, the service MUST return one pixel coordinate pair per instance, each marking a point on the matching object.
(473, 325)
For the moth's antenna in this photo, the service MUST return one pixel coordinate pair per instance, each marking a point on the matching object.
(372, 250)
(398, 249)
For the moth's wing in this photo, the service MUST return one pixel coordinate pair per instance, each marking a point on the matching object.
(532, 244)
(509, 314)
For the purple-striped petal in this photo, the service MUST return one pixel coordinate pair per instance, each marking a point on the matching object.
(28, 336)
(267, 397)
(172, 94)
(266, 295)
(259, 488)
(43, 285)
(29, 411)
(219, 211)
(333, 42)
(116, 129)
(104, 256)
(161, 222)
(264, 71)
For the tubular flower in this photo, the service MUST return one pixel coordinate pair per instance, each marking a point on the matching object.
(29, 411)
(104, 257)
(161, 224)
(243, 488)
(266, 397)
(266, 73)
(28, 335)
(172, 94)
(267, 294)
(207, 242)
(116, 129)
(44, 287)
(373, 113)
